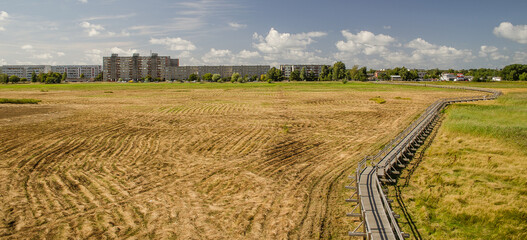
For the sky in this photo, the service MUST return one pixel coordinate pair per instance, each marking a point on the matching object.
(377, 34)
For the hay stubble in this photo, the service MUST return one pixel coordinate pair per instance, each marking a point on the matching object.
(192, 164)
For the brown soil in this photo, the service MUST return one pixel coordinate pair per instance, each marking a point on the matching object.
(196, 164)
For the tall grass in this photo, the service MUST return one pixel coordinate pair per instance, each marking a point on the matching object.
(506, 120)
(472, 182)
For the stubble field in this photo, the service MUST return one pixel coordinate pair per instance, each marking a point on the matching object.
(191, 161)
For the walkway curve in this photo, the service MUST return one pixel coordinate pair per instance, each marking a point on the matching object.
(378, 219)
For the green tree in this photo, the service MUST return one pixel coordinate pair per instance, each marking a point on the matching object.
(234, 77)
(384, 76)
(14, 79)
(512, 72)
(33, 77)
(207, 76)
(339, 71)
(324, 72)
(303, 74)
(523, 76)
(193, 77)
(274, 74)
(42, 77)
(4, 78)
(82, 76)
(295, 75)
(99, 77)
(351, 74)
(50, 79)
(362, 74)
(64, 76)
(216, 77)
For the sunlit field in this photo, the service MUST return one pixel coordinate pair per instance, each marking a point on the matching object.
(192, 161)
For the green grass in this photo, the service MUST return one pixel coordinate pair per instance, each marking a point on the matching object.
(378, 100)
(502, 84)
(472, 182)
(19, 101)
(506, 120)
(259, 86)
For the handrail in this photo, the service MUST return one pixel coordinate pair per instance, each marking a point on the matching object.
(399, 145)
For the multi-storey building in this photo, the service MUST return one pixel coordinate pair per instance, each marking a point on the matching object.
(312, 69)
(25, 71)
(75, 71)
(182, 72)
(137, 67)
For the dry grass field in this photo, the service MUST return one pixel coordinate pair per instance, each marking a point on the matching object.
(191, 161)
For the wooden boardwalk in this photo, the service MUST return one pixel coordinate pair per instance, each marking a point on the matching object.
(378, 219)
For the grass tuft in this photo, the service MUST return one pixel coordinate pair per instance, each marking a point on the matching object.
(378, 100)
(19, 101)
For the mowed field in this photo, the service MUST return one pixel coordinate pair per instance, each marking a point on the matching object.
(192, 161)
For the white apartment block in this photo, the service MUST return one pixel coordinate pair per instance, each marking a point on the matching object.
(75, 71)
(313, 69)
(25, 71)
(137, 67)
(182, 72)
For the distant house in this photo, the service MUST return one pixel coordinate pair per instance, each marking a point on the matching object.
(496, 79)
(396, 77)
(448, 77)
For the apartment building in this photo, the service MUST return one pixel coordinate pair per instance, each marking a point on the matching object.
(25, 71)
(182, 72)
(137, 67)
(75, 71)
(313, 69)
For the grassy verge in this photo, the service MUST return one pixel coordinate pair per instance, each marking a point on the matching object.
(472, 182)
(258, 86)
(19, 101)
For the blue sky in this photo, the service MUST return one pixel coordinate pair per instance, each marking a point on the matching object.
(376, 34)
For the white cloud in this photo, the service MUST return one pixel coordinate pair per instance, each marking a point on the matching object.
(492, 53)
(92, 29)
(122, 51)
(426, 49)
(60, 54)
(248, 54)
(83, 1)
(226, 57)
(3, 15)
(27, 47)
(364, 42)
(3, 18)
(520, 57)
(276, 42)
(218, 57)
(516, 33)
(366, 48)
(3, 62)
(237, 25)
(387, 27)
(98, 30)
(287, 46)
(174, 44)
(93, 56)
(44, 56)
